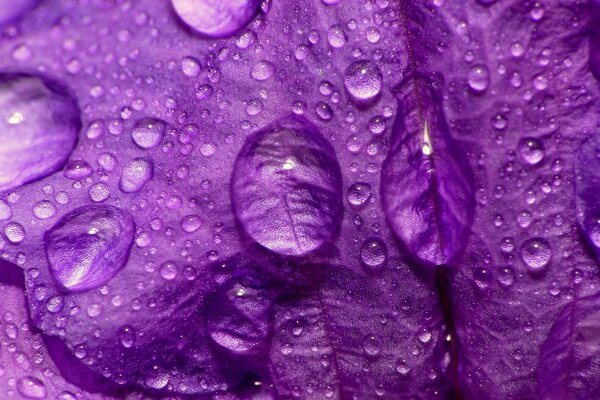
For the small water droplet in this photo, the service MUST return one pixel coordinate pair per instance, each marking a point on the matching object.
(479, 78)
(373, 253)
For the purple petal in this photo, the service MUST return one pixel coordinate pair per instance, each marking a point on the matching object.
(570, 357)
(587, 190)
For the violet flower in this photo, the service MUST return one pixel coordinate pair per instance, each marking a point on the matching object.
(299, 199)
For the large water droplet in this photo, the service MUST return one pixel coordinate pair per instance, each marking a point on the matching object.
(39, 124)
(536, 254)
(363, 81)
(286, 187)
(136, 174)
(238, 318)
(88, 246)
(216, 18)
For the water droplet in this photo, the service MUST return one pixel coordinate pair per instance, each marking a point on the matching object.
(136, 174)
(536, 254)
(263, 70)
(99, 192)
(373, 253)
(78, 169)
(36, 115)
(148, 132)
(14, 232)
(55, 304)
(127, 336)
(363, 81)
(190, 67)
(358, 193)
(168, 270)
(88, 246)
(31, 388)
(479, 78)
(237, 319)
(216, 18)
(286, 187)
(531, 150)
(372, 345)
(482, 278)
(336, 37)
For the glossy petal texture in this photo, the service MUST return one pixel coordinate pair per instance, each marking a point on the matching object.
(587, 188)
(426, 187)
(570, 356)
(216, 18)
(89, 246)
(286, 187)
(39, 124)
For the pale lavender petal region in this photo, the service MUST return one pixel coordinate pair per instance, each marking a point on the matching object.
(286, 187)
(39, 125)
(89, 246)
(427, 187)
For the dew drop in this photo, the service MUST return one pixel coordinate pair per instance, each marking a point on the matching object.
(216, 18)
(127, 336)
(358, 193)
(363, 81)
(531, 150)
(136, 174)
(148, 132)
(14, 232)
(479, 78)
(77, 169)
(168, 270)
(336, 37)
(372, 345)
(536, 254)
(373, 253)
(31, 388)
(88, 246)
(263, 70)
(36, 115)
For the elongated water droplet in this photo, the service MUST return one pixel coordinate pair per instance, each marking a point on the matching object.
(216, 18)
(39, 124)
(89, 246)
(286, 187)
(427, 187)
(136, 174)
